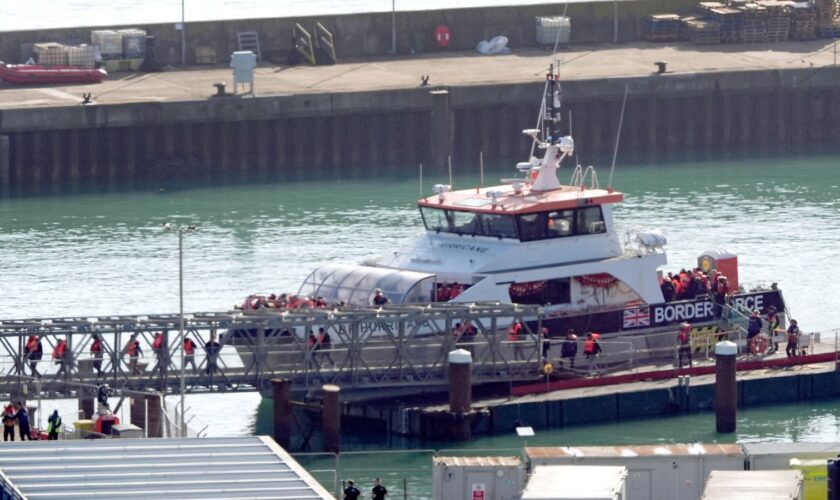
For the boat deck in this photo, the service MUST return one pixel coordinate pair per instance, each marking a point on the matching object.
(444, 69)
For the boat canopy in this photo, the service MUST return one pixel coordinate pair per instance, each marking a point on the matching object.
(355, 285)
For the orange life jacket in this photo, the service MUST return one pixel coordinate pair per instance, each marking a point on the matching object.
(684, 336)
(189, 347)
(513, 332)
(96, 346)
(32, 344)
(132, 348)
(589, 347)
(158, 342)
(60, 350)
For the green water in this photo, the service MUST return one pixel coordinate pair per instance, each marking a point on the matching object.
(106, 254)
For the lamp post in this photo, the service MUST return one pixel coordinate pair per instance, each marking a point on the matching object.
(169, 227)
(183, 36)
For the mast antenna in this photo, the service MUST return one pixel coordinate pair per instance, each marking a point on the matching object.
(618, 134)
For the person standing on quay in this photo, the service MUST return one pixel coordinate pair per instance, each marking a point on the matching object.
(379, 491)
(23, 422)
(351, 492)
(53, 425)
(684, 344)
(793, 339)
(9, 423)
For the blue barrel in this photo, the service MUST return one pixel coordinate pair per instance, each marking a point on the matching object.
(833, 479)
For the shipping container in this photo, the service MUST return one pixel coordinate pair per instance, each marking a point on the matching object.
(485, 478)
(576, 482)
(655, 471)
(746, 484)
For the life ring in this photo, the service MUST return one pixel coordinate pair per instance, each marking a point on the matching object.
(759, 344)
(442, 36)
(547, 369)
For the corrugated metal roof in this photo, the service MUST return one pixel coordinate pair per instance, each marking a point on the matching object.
(575, 481)
(477, 461)
(676, 450)
(793, 449)
(231, 468)
(766, 485)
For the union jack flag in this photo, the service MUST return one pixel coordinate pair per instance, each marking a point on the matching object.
(637, 317)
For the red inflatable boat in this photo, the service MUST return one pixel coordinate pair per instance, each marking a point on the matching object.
(34, 73)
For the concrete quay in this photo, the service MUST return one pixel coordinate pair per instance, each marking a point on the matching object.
(373, 114)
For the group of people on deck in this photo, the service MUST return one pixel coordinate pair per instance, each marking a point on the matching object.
(282, 301)
(691, 284)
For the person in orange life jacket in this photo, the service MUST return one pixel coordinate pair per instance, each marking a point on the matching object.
(132, 348)
(793, 338)
(9, 417)
(212, 348)
(324, 345)
(456, 290)
(312, 342)
(591, 349)
(379, 299)
(34, 353)
(772, 326)
(189, 353)
(159, 349)
(59, 356)
(96, 352)
(721, 291)
(513, 336)
(569, 348)
(684, 342)
(443, 292)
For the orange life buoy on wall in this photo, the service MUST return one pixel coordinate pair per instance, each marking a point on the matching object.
(442, 35)
(759, 344)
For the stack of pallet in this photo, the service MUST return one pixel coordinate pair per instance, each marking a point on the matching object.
(755, 23)
(731, 24)
(702, 31)
(803, 21)
(661, 28)
(778, 19)
(829, 18)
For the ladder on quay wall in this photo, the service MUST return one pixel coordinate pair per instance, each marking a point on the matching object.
(249, 40)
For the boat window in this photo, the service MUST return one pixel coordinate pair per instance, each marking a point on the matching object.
(532, 227)
(500, 226)
(543, 293)
(469, 223)
(590, 221)
(561, 223)
(436, 219)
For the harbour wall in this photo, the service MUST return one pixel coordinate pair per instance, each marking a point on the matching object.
(670, 117)
(369, 34)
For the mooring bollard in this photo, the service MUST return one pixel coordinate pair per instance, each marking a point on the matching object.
(460, 381)
(331, 418)
(282, 392)
(726, 388)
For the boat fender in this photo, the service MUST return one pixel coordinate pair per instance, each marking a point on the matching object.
(759, 344)
(547, 369)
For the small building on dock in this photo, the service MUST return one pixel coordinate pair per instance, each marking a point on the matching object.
(241, 467)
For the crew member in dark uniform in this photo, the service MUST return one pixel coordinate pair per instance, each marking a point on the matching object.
(351, 492)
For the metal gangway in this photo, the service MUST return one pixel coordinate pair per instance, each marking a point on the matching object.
(399, 348)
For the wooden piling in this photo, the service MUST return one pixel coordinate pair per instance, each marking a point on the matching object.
(460, 381)
(726, 388)
(282, 393)
(331, 418)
